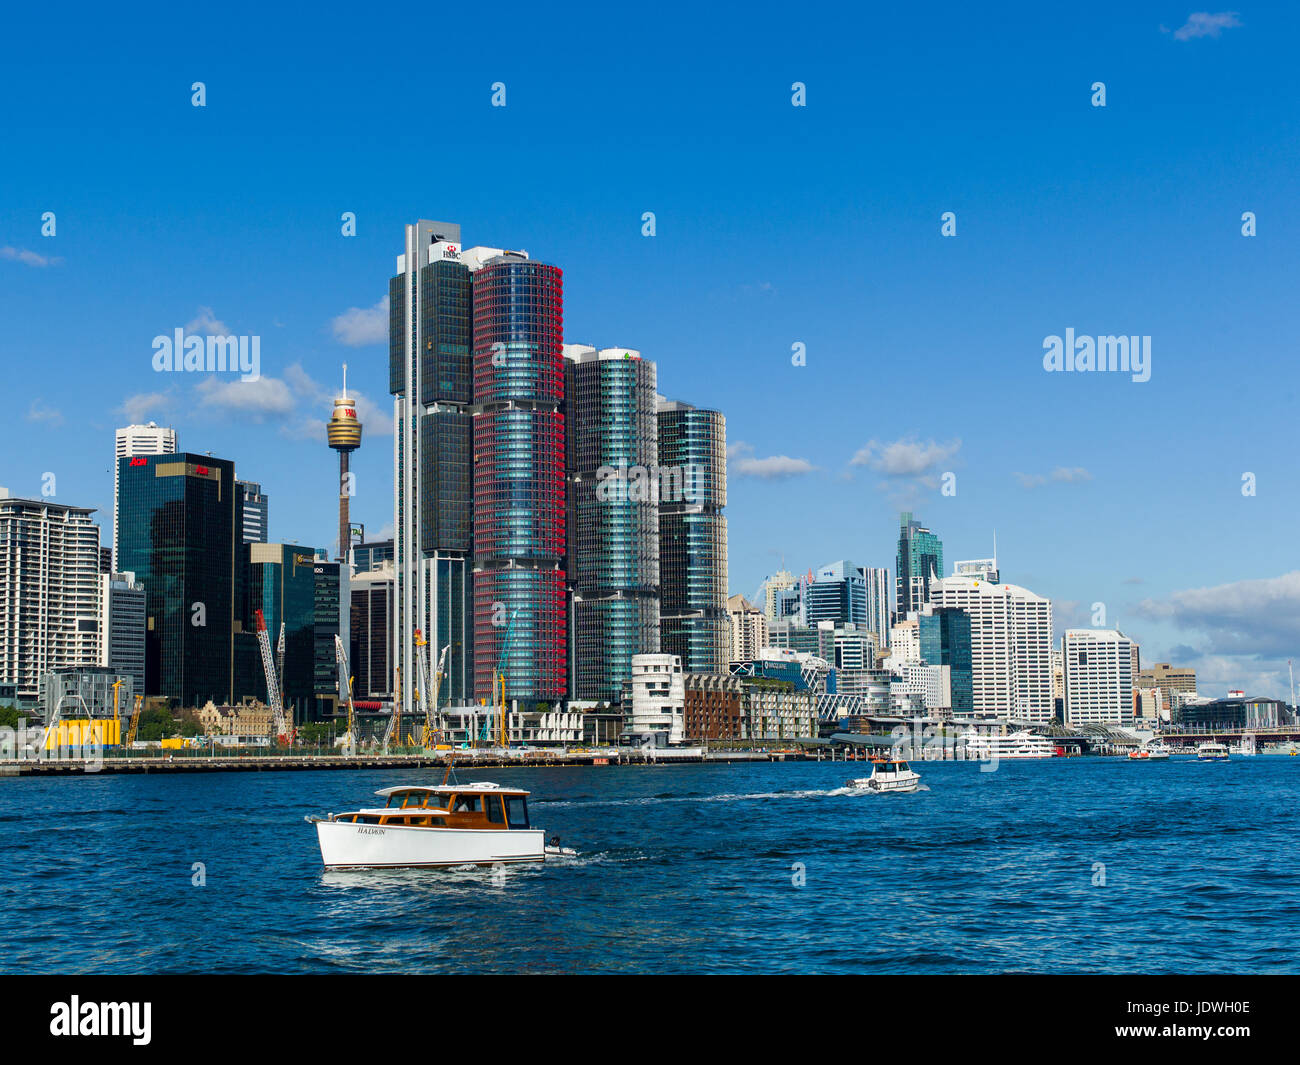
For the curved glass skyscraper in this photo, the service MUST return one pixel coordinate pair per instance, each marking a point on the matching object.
(693, 537)
(519, 513)
(613, 560)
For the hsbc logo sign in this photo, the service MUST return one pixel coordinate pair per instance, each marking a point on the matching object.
(449, 251)
(444, 250)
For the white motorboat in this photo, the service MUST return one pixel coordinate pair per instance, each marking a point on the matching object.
(454, 824)
(1023, 744)
(892, 775)
(1212, 752)
(1151, 751)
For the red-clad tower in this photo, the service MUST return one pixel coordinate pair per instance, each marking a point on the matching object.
(520, 622)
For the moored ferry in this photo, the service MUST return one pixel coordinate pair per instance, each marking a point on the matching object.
(453, 824)
(1023, 744)
(1151, 751)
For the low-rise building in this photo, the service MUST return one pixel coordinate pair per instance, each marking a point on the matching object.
(714, 707)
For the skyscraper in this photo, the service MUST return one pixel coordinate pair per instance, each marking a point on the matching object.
(122, 626)
(749, 633)
(837, 593)
(151, 439)
(257, 512)
(1098, 677)
(693, 537)
(49, 592)
(613, 541)
(944, 639)
(179, 532)
(920, 560)
(880, 601)
(520, 620)
(430, 376)
(343, 434)
(282, 584)
(1011, 646)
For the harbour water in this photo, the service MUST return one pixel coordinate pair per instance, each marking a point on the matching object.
(1067, 865)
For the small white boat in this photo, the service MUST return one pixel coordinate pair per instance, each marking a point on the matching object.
(1212, 752)
(455, 824)
(893, 775)
(1151, 751)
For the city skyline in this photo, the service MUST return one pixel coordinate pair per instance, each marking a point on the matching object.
(1100, 489)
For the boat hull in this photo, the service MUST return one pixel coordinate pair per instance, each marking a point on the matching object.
(344, 845)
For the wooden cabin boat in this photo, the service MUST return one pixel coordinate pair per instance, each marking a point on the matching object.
(453, 824)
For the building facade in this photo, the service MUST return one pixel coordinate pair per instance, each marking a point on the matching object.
(431, 377)
(749, 632)
(944, 639)
(838, 594)
(612, 442)
(1098, 677)
(713, 707)
(282, 584)
(1011, 647)
(49, 592)
(920, 561)
(520, 615)
(257, 512)
(657, 707)
(370, 634)
(131, 440)
(122, 626)
(179, 531)
(693, 536)
(880, 604)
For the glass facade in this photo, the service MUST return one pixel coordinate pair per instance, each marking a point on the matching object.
(282, 584)
(180, 527)
(613, 559)
(945, 640)
(693, 537)
(328, 597)
(519, 501)
(920, 560)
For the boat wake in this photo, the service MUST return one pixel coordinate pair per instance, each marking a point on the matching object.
(652, 800)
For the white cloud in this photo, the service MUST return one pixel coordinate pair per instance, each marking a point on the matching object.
(1203, 24)
(375, 419)
(906, 457)
(205, 323)
(742, 463)
(1253, 617)
(39, 412)
(266, 396)
(137, 408)
(30, 258)
(1062, 474)
(357, 327)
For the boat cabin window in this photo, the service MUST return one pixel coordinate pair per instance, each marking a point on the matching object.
(413, 798)
(467, 804)
(517, 811)
(494, 812)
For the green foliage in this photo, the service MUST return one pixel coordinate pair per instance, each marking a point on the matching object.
(311, 733)
(10, 718)
(156, 724)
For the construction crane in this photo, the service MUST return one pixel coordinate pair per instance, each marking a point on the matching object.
(499, 684)
(135, 720)
(281, 725)
(117, 721)
(430, 705)
(345, 686)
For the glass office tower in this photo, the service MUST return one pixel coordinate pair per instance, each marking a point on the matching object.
(693, 537)
(945, 640)
(520, 622)
(613, 545)
(920, 560)
(282, 584)
(430, 376)
(180, 525)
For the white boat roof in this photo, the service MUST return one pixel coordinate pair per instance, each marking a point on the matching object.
(386, 811)
(452, 789)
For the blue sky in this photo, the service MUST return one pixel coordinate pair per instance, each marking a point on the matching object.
(775, 225)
